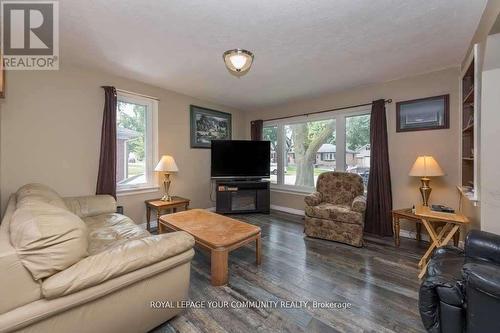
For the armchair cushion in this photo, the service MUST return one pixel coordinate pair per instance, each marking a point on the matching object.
(483, 246)
(359, 204)
(484, 277)
(91, 205)
(339, 188)
(313, 199)
(340, 213)
(115, 262)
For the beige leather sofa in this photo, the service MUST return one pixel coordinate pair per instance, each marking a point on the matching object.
(74, 265)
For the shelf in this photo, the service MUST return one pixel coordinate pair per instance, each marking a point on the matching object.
(469, 195)
(469, 97)
(468, 158)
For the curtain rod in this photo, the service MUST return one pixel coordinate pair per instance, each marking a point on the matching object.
(134, 93)
(323, 111)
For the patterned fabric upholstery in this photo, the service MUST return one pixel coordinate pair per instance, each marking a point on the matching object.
(341, 213)
(336, 211)
(340, 188)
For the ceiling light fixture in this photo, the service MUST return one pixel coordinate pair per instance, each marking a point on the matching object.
(238, 61)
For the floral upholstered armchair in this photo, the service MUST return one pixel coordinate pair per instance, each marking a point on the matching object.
(336, 211)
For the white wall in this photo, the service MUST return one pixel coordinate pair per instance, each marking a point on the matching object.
(490, 135)
(51, 127)
(403, 147)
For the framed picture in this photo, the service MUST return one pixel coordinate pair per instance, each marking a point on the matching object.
(423, 114)
(208, 125)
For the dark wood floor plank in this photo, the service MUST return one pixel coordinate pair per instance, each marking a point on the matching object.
(379, 280)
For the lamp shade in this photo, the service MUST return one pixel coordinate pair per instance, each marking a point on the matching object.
(426, 166)
(167, 164)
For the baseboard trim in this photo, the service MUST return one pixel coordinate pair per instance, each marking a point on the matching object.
(288, 210)
(424, 236)
(412, 234)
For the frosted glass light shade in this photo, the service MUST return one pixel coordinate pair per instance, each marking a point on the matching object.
(238, 60)
(167, 164)
(426, 166)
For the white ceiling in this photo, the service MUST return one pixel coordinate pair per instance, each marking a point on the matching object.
(302, 48)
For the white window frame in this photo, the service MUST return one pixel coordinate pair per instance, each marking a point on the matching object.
(151, 139)
(340, 135)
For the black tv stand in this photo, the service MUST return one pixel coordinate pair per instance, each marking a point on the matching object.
(236, 196)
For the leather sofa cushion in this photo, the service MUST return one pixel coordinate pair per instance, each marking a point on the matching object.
(109, 230)
(91, 205)
(48, 239)
(115, 262)
(483, 276)
(339, 213)
(30, 193)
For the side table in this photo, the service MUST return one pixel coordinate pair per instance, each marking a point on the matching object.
(452, 224)
(406, 214)
(160, 206)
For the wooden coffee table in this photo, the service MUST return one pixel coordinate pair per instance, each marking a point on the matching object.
(216, 233)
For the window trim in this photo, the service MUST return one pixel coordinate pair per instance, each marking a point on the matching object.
(151, 142)
(340, 127)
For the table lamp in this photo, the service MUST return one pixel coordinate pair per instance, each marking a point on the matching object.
(168, 166)
(425, 167)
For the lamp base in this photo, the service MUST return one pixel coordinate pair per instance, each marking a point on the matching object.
(166, 198)
(425, 190)
(166, 188)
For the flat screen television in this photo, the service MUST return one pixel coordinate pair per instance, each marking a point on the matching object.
(240, 159)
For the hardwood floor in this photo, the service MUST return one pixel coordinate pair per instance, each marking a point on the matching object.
(379, 280)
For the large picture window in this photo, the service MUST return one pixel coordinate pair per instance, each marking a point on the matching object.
(136, 136)
(304, 147)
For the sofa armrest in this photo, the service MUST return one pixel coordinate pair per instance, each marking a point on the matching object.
(429, 298)
(359, 204)
(484, 277)
(115, 262)
(91, 205)
(313, 199)
(483, 245)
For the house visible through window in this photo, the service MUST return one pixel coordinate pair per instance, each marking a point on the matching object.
(136, 144)
(304, 147)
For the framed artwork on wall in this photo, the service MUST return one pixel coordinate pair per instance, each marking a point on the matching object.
(421, 114)
(208, 125)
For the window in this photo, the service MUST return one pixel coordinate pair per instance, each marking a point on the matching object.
(304, 147)
(357, 151)
(306, 144)
(136, 142)
(270, 133)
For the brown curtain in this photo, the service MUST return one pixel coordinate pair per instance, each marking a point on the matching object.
(256, 130)
(106, 179)
(379, 198)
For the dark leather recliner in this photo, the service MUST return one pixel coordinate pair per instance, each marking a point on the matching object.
(461, 290)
